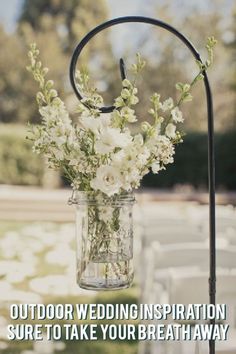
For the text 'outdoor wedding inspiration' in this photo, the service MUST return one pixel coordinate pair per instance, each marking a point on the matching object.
(157, 322)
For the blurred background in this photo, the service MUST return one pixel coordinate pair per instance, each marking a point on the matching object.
(36, 227)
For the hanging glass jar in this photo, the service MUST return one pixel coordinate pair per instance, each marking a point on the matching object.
(104, 232)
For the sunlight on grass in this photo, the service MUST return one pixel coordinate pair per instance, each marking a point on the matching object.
(37, 265)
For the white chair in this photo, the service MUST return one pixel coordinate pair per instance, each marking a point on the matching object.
(223, 223)
(158, 260)
(187, 288)
(229, 235)
(173, 234)
(192, 287)
(192, 254)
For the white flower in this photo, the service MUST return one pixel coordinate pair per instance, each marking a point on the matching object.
(105, 213)
(171, 131)
(107, 180)
(58, 135)
(127, 83)
(119, 102)
(90, 123)
(163, 149)
(143, 156)
(125, 93)
(118, 158)
(134, 99)
(177, 115)
(156, 167)
(128, 114)
(105, 120)
(49, 112)
(59, 140)
(94, 124)
(167, 104)
(76, 184)
(99, 153)
(54, 113)
(58, 153)
(138, 139)
(109, 139)
(131, 178)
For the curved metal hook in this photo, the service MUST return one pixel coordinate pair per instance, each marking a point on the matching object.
(211, 157)
(113, 22)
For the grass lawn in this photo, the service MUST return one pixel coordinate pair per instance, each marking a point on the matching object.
(37, 264)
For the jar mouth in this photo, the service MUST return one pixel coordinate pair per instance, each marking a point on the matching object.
(96, 198)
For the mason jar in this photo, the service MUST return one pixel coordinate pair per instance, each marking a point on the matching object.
(104, 233)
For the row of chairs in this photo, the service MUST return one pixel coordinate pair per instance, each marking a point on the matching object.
(175, 264)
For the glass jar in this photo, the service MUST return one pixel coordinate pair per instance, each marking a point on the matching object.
(104, 232)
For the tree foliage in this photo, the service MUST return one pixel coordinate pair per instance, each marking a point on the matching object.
(56, 26)
(70, 19)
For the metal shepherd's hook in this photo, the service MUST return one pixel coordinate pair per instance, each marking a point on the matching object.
(211, 157)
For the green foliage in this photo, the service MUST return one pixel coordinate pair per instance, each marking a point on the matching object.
(80, 347)
(225, 160)
(191, 163)
(18, 166)
(102, 347)
(57, 26)
(70, 19)
(16, 90)
(129, 296)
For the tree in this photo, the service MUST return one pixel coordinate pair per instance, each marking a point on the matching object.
(57, 26)
(15, 86)
(171, 61)
(230, 46)
(70, 19)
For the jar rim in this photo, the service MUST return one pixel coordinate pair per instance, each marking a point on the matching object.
(94, 198)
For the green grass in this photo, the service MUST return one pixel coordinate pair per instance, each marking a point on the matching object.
(6, 226)
(83, 347)
(99, 346)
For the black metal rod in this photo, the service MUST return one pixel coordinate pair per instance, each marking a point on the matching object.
(210, 116)
(122, 69)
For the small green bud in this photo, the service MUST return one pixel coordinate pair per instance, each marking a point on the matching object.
(53, 93)
(126, 83)
(45, 71)
(186, 88)
(187, 98)
(57, 101)
(145, 126)
(200, 77)
(40, 97)
(38, 65)
(151, 111)
(33, 46)
(179, 86)
(49, 84)
(155, 98)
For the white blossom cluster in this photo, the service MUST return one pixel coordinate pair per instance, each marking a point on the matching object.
(99, 153)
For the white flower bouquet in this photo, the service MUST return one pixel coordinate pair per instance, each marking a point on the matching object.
(100, 156)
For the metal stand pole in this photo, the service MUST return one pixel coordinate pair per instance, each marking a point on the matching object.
(210, 117)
